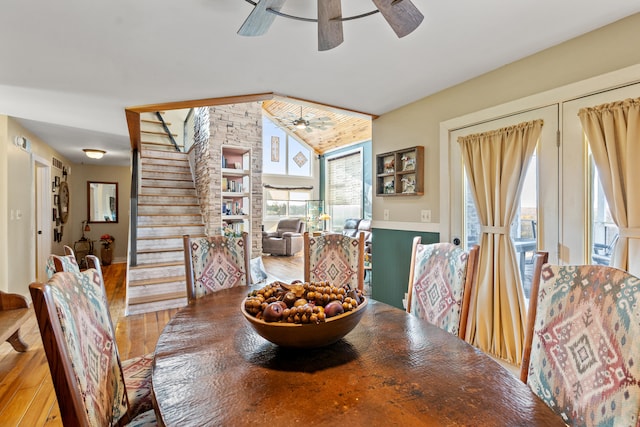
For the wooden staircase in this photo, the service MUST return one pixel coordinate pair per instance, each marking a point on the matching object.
(167, 209)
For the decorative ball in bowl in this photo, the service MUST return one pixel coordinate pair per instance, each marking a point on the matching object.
(303, 315)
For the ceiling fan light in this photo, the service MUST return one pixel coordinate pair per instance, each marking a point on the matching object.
(300, 124)
(93, 153)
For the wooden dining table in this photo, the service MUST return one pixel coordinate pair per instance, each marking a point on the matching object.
(212, 369)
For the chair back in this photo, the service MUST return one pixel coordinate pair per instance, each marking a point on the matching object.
(584, 359)
(214, 263)
(79, 341)
(441, 277)
(335, 258)
(94, 262)
(58, 263)
(539, 259)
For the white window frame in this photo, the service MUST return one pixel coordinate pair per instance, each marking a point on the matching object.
(288, 136)
(328, 208)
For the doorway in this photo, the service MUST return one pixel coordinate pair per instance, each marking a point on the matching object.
(42, 215)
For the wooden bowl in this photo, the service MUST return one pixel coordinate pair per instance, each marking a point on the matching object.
(308, 335)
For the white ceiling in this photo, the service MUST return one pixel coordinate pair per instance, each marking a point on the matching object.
(70, 67)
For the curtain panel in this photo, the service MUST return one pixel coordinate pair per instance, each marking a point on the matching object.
(496, 163)
(613, 132)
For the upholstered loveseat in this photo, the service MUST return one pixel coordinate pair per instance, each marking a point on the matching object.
(286, 240)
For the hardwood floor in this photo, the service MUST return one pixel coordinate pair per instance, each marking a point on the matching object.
(27, 397)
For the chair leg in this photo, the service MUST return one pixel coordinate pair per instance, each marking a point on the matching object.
(16, 342)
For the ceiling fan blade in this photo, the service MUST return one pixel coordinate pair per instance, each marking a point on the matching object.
(260, 19)
(329, 28)
(402, 15)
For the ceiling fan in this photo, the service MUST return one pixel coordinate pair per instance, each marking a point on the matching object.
(307, 122)
(401, 15)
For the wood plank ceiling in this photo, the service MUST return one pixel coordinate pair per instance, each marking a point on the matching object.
(330, 128)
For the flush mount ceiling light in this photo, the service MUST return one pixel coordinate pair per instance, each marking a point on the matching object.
(402, 16)
(92, 153)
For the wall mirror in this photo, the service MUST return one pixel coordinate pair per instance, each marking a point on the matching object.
(102, 201)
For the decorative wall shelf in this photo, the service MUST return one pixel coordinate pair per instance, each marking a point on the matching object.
(400, 172)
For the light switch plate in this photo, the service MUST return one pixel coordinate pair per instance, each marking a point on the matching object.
(386, 214)
(425, 215)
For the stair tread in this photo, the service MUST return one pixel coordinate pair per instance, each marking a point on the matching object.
(164, 204)
(167, 179)
(168, 214)
(146, 152)
(159, 250)
(172, 225)
(156, 132)
(156, 122)
(175, 236)
(158, 280)
(156, 265)
(156, 298)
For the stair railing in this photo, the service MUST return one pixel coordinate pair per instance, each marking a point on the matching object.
(166, 129)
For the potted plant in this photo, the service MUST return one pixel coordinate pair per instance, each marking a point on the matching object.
(106, 253)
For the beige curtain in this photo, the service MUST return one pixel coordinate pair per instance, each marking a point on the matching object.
(496, 163)
(613, 131)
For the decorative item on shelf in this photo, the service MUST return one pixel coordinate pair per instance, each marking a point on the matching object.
(408, 184)
(408, 163)
(389, 167)
(389, 187)
(324, 218)
(85, 228)
(106, 253)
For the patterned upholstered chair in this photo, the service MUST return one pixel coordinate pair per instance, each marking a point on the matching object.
(214, 263)
(441, 277)
(336, 258)
(66, 262)
(93, 387)
(585, 344)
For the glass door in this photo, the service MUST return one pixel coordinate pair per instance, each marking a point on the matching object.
(535, 226)
(588, 233)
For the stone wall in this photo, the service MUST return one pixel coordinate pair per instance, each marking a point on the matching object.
(201, 165)
(238, 125)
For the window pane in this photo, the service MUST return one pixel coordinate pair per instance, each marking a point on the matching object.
(524, 233)
(276, 208)
(604, 232)
(271, 194)
(274, 146)
(299, 158)
(299, 195)
(297, 209)
(344, 188)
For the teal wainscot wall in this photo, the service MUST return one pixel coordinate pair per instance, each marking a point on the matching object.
(391, 254)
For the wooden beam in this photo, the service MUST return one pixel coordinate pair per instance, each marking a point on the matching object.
(133, 123)
(207, 102)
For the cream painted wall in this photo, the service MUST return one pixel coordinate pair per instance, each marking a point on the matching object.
(607, 49)
(17, 253)
(78, 194)
(4, 204)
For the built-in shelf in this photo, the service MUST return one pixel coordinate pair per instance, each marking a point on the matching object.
(400, 172)
(236, 188)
